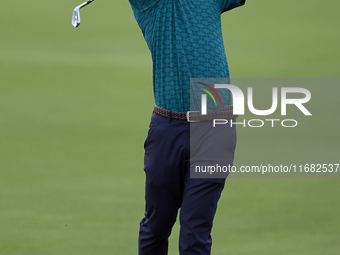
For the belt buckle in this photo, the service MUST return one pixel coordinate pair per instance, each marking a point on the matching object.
(188, 116)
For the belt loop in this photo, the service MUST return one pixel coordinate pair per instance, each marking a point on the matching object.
(216, 114)
(170, 115)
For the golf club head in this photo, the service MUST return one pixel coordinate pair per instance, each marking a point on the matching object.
(76, 13)
(76, 17)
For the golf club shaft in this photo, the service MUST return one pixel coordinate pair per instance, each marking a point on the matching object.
(86, 3)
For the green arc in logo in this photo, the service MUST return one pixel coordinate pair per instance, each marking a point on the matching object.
(210, 95)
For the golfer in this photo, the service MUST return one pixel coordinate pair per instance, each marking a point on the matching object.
(185, 40)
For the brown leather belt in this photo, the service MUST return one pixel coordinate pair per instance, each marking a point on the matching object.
(196, 116)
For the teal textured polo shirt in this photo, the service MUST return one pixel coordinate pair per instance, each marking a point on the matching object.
(185, 40)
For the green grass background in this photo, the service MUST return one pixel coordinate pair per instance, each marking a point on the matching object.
(74, 111)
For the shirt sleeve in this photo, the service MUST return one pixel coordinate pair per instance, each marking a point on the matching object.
(142, 4)
(227, 5)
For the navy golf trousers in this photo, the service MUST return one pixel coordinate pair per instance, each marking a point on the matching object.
(169, 187)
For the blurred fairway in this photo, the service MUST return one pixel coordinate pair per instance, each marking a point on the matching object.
(74, 111)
